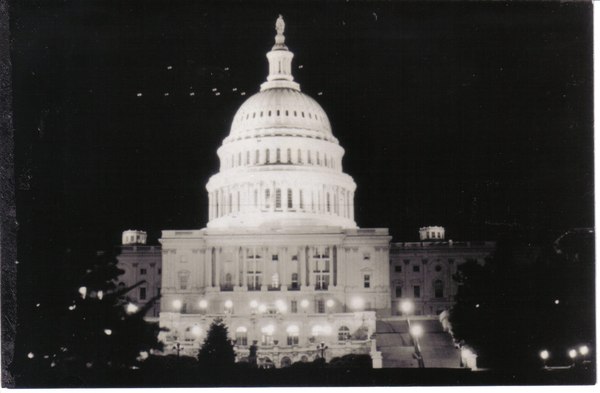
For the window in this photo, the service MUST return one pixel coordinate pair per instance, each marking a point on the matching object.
(267, 199)
(438, 268)
(183, 279)
(267, 158)
(367, 281)
(142, 293)
(278, 198)
(398, 291)
(228, 281)
(256, 154)
(308, 158)
(290, 201)
(253, 274)
(292, 335)
(450, 261)
(321, 263)
(417, 291)
(255, 198)
(343, 333)
(278, 155)
(289, 156)
(239, 158)
(299, 156)
(318, 159)
(142, 271)
(438, 288)
(301, 200)
(328, 204)
(295, 281)
(366, 256)
(294, 306)
(398, 268)
(241, 336)
(321, 306)
(416, 268)
(248, 157)
(159, 270)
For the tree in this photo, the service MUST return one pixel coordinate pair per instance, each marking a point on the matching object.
(217, 350)
(97, 331)
(509, 310)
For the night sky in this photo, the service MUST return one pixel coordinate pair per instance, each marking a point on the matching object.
(474, 116)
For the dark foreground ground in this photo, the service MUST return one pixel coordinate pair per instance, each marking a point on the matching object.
(321, 377)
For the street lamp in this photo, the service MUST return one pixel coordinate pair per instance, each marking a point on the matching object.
(407, 308)
(322, 348)
(544, 355)
(572, 355)
(584, 350)
(177, 347)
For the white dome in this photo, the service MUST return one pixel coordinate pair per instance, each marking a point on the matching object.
(281, 166)
(286, 111)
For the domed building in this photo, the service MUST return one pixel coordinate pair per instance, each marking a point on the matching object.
(281, 259)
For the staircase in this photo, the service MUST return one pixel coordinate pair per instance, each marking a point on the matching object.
(397, 347)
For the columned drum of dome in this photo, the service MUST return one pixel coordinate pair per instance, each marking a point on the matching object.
(280, 165)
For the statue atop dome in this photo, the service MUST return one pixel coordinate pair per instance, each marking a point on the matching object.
(280, 25)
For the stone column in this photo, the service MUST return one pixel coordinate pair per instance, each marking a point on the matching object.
(300, 267)
(245, 272)
(236, 273)
(218, 267)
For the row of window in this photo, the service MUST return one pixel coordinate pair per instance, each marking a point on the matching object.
(275, 156)
(416, 268)
(329, 202)
(279, 112)
(438, 290)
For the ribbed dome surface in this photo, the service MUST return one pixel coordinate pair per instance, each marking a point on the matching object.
(280, 108)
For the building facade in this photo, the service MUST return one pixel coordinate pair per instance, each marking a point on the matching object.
(422, 271)
(140, 262)
(281, 259)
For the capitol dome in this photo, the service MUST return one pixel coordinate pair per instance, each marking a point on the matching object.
(280, 165)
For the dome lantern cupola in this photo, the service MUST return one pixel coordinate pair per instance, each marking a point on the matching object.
(280, 62)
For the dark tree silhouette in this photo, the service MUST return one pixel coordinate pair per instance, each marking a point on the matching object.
(97, 331)
(510, 309)
(217, 350)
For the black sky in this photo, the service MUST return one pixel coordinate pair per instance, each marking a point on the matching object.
(470, 115)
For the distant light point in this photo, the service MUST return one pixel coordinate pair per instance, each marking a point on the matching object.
(217, 94)
(192, 93)
(226, 68)
(243, 93)
(234, 89)
(214, 89)
(166, 94)
(139, 94)
(320, 93)
(301, 66)
(30, 355)
(556, 301)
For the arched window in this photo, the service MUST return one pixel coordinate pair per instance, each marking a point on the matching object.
(289, 156)
(248, 157)
(299, 156)
(267, 156)
(228, 281)
(343, 333)
(278, 155)
(438, 288)
(290, 200)
(285, 362)
(256, 153)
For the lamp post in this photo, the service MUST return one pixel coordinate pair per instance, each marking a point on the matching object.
(415, 331)
(544, 355)
(572, 355)
(177, 347)
(321, 348)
